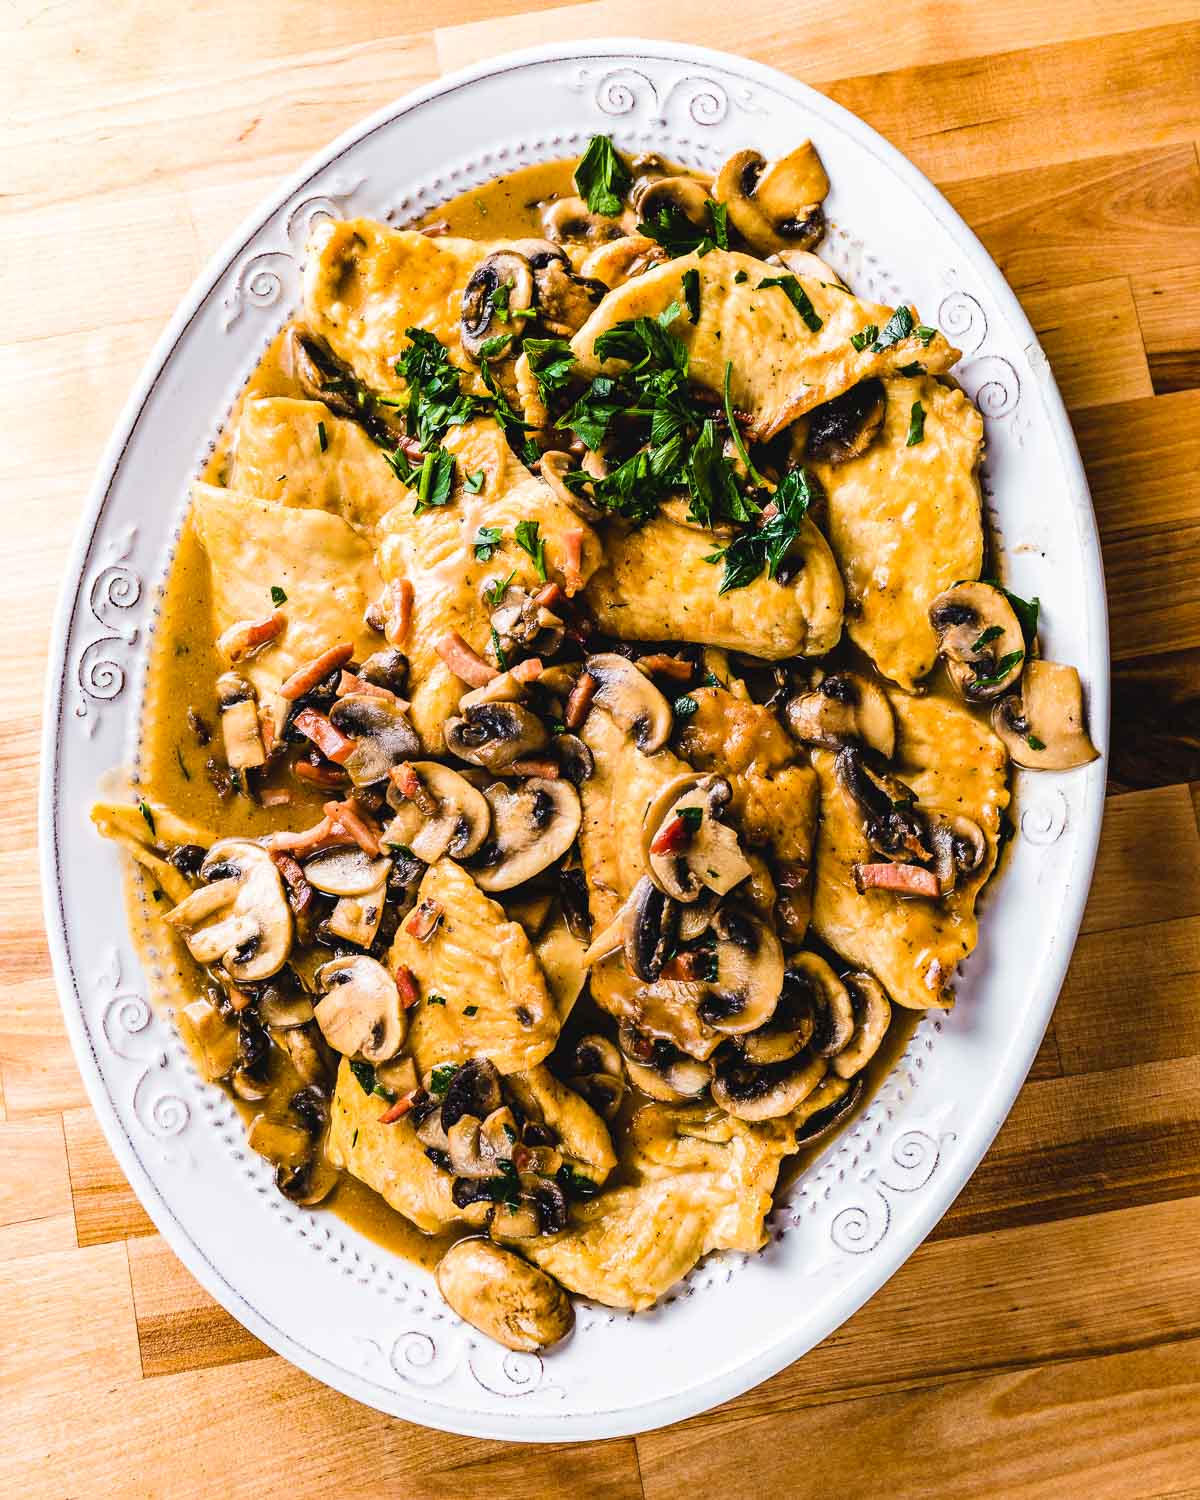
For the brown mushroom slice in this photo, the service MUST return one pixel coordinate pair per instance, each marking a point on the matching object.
(563, 300)
(845, 427)
(786, 1034)
(382, 735)
(765, 1093)
(242, 917)
(650, 931)
(496, 300)
(686, 197)
(571, 219)
(749, 977)
(891, 821)
(775, 207)
(360, 1013)
(356, 919)
(1042, 725)
(980, 637)
(453, 817)
(533, 824)
(620, 260)
(212, 1041)
(844, 708)
(346, 870)
(814, 984)
(687, 848)
(632, 699)
(872, 1015)
(597, 1072)
(503, 1296)
(494, 735)
(827, 1108)
(959, 848)
(659, 1069)
(552, 468)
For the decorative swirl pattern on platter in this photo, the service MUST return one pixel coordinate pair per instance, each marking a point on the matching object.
(626, 90)
(115, 589)
(134, 1036)
(1044, 818)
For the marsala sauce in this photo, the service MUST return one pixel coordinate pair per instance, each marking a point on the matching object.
(184, 667)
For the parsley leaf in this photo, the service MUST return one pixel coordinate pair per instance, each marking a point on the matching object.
(916, 425)
(602, 177)
(434, 479)
(474, 482)
(691, 818)
(864, 336)
(691, 293)
(435, 999)
(494, 347)
(322, 437)
(277, 595)
(550, 363)
(148, 818)
(913, 368)
(735, 431)
(470, 1010)
(752, 551)
(435, 400)
(739, 277)
(678, 235)
(645, 342)
(526, 536)
(487, 539)
(1026, 611)
(591, 415)
(926, 334)
(799, 299)
(1003, 667)
(685, 706)
(989, 635)
(496, 590)
(711, 482)
(439, 1079)
(367, 1081)
(1034, 743)
(897, 327)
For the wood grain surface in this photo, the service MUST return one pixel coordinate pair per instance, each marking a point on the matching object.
(1046, 1340)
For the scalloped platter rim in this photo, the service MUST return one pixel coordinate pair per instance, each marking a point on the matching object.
(327, 1299)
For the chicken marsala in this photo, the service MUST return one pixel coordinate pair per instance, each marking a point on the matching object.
(542, 864)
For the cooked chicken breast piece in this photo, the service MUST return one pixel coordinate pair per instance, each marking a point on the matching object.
(782, 366)
(582, 1134)
(277, 455)
(388, 1158)
(955, 765)
(905, 522)
(477, 961)
(656, 585)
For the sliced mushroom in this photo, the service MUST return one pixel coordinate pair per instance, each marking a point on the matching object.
(564, 300)
(749, 977)
(496, 300)
(687, 197)
(632, 699)
(572, 219)
(844, 709)
(872, 1016)
(494, 734)
(827, 1108)
(598, 1073)
(776, 207)
(381, 732)
(473, 1090)
(360, 1013)
(310, 1183)
(553, 466)
(959, 848)
(659, 1069)
(575, 760)
(533, 824)
(212, 1041)
(788, 1031)
(765, 1093)
(346, 870)
(650, 930)
(282, 1144)
(241, 733)
(356, 919)
(503, 1296)
(1042, 725)
(523, 625)
(471, 1154)
(980, 637)
(890, 819)
(453, 817)
(241, 918)
(322, 376)
(845, 427)
(687, 849)
(386, 669)
(812, 984)
(251, 1078)
(621, 260)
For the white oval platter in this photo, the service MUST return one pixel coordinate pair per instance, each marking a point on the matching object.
(334, 1304)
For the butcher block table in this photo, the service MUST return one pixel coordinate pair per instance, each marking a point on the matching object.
(1046, 1339)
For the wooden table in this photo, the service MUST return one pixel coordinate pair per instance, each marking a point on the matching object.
(1046, 1341)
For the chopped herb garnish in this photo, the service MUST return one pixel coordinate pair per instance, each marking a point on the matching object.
(691, 293)
(494, 347)
(691, 818)
(685, 706)
(711, 482)
(1034, 743)
(1026, 611)
(487, 539)
(735, 431)
(897, 327)
(739, 277)
(925, 334)
(474, 482)
(435, 999)
(864, 336)
(799, 299)
(990, 634)
(148, 817)
(574, 1183)
(602, 177)
(470, 1010)
(183, 770)
(678, 235)
(367, 1080)
(495, 591)
(354, 1139)
(435, 401)
(439, 1079)
(915, 367)
(277, 595)
(434, 480)
(550, 362)
(322, 437)
(403, 849)
(526, 536)
(751, 551)
(501, 658)
(1003, 667)
(916, 425)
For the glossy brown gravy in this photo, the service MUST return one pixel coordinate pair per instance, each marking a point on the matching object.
(183, 668)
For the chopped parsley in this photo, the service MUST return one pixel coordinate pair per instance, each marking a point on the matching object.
(435, 999)
(434, 480)
(277, 595)
(752, 551)
(1003, 667)
(494, 347)
(739, 277)
(916, 425)
(799, 299)
(914, 367)
(367, 1080)
(439, 1079)
(926, 334)
(183, 770)
(678, 235)
(526, 536)
(602, 177)
(1026, 611)
(574, 1183)
(691, 818)
(501, 658)
(470, 1010)
(591, 415)
(550, 363)
(865, 336)
(897, 327)
(435, 400)
(989, 635)
(685, 706)
(691, 293)
(496, 590)
(735, 431)
(474, 482)
(487, 539)
(1034, 743)
(322, 436)
(148, 817)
